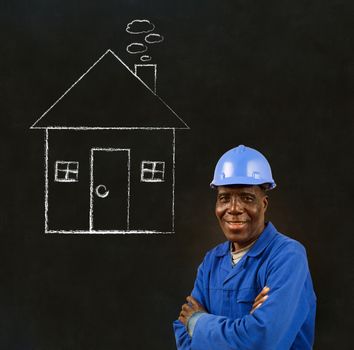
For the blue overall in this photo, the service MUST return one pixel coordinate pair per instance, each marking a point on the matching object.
(284, 321)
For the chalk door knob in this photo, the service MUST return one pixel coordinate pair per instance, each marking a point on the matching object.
(101, 191)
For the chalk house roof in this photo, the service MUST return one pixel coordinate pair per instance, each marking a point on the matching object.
(109, 96)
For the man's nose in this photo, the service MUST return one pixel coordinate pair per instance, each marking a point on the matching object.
(235, 206)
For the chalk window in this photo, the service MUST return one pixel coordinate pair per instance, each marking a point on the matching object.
(152, 171)
(66, 171)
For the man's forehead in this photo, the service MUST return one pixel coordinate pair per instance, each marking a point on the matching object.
(239, 189)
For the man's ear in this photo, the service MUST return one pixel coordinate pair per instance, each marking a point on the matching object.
(265, 202)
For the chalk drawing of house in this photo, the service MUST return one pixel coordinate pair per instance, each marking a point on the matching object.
(110, 153)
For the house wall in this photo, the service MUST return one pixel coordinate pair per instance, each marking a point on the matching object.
(150, 202)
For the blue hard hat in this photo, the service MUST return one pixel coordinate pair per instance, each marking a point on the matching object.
(243, 166)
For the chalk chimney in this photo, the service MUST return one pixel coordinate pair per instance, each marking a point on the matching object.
(147, 73)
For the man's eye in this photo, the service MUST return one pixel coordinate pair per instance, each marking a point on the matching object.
(248, 199)
(223, 199)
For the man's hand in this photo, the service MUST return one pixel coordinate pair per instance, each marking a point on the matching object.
(189, 309)
(193, 305)
(260, 299)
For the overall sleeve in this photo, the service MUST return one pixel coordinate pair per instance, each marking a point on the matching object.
(272, 326)
(183, 340)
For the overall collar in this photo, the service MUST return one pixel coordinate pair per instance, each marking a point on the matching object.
(262, 242)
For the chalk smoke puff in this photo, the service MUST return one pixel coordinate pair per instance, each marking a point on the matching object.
(154, 38)
(135, 48)
(139, 26)
(142, 26)
(145, 58)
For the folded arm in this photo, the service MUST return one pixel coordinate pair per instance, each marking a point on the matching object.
(272, 326)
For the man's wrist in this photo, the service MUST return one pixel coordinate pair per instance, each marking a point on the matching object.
(192, 321)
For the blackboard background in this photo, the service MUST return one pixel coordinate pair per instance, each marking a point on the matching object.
(275, 75)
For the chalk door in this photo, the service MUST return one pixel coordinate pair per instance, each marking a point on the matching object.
(109, 189)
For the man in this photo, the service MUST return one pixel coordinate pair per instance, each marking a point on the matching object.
(255, 290)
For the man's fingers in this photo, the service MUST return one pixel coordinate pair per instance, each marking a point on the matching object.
(182, 319)
(254, 308)
(261, 298)
(192, 301)
(260, 301)
(186, 307)
(263, 293)
(189, 308)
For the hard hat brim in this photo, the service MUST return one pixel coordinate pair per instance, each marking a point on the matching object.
(242, 181)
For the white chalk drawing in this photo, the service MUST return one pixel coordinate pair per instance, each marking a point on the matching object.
(145, 58)
(135, 48)
(154, 38)
(152, 171)
(99, 187)
(122, 136)
(151, 70)
(99, 192)
(140, 26)
(66, 171)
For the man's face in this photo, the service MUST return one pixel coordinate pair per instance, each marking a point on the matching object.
(240, 211)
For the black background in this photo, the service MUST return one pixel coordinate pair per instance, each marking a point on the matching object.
(274, 75)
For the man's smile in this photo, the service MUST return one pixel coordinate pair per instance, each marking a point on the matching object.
(236, 224)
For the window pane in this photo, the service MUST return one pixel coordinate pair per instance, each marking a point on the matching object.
(148, 175)
(72, 176)
(62, 166)
(73, 166)
(66, 171)
(158, 176)
(148, 165)
(159, 166)
(61, 174)
(152, 171)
